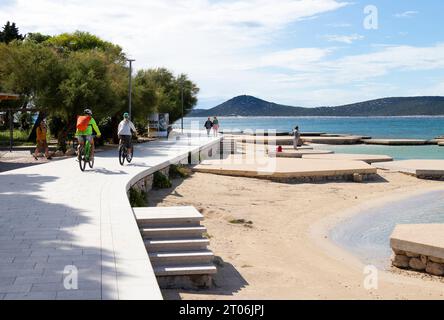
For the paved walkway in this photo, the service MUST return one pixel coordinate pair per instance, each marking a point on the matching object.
(53, 216)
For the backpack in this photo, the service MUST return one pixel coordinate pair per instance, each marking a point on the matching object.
(83, 122)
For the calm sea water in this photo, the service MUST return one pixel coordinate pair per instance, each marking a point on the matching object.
(376, 127)
(367, 235)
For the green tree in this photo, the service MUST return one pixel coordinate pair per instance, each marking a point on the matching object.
(10, 32)
(37, 37)
(164, 92)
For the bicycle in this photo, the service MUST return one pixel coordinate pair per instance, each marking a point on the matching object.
(123, 153)
(84, 156)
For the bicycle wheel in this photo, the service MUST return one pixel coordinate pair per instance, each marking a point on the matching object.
(81, 157)
(122, 155)
(129, 156)
(91, 162)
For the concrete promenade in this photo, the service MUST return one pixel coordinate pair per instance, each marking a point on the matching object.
(53, 216)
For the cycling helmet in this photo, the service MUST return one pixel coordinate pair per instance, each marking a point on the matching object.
(88, 112)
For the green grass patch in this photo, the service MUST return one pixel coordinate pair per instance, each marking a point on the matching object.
(179, 171)
(138, 198)
(161, 181)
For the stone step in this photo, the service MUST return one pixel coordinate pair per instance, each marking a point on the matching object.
(167, 216)
(185, 270)
(170, 245)
(181, 258)
(173, 232)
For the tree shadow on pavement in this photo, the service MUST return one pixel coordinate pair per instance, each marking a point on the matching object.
(40, 235)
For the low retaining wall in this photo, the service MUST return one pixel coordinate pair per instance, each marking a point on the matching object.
(211, 151)
(417, 262)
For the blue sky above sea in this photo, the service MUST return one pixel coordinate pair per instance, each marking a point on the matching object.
(302, 53)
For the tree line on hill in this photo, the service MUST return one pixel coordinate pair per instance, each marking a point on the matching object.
(61, 75)
(248, 106)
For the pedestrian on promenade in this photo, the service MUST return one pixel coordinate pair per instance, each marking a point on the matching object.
(42, 144)
(215, 126)
(296, 137)
(208, 125)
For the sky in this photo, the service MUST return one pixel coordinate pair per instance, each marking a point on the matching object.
(295, 52)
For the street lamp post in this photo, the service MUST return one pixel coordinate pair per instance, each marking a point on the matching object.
(130, 84)
(182, 103)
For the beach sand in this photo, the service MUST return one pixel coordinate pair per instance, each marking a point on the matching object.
(285, 253)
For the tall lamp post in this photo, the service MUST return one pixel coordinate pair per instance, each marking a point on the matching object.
(130, 84)
(181, 85)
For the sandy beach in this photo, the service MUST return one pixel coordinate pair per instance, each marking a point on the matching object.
(271, 239)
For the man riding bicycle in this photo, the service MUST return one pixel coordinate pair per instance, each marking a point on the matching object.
(85, 126)
(126, 127)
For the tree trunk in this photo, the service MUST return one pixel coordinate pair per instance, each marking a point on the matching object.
(33, 134)
(115, 125)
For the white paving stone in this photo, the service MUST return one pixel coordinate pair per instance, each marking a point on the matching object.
(53, 215)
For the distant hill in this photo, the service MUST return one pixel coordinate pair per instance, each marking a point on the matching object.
(251, 106)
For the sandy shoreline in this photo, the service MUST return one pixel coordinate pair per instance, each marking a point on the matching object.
(286, 253)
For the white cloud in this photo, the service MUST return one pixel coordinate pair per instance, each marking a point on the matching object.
(210, 40)
(406, 14)
(349, 39)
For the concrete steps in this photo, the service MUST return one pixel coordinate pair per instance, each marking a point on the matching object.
(176, 232)
(185, 270)
(175, 242)
(181, 257)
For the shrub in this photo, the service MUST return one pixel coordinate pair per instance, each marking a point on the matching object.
(137, 198)
(179, 171)
(161, 181)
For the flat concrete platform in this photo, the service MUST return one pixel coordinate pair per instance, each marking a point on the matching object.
(333, 140)
(368, 158)
(274, 140)
(286, 168)
(312, 134)
(299, 153)
(423, 239)
(428, 169)
(396, 142)
(156, 213)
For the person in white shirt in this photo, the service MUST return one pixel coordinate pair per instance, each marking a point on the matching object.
(126, 127)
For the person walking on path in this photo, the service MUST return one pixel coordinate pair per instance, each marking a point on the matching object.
(42, 144)
(296, 137)
(208, 125)
(125, 132)
(215, 126)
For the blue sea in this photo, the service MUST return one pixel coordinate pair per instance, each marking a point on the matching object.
(367, 235)
(375, 127)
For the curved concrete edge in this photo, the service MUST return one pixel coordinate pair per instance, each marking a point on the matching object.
(132, 276)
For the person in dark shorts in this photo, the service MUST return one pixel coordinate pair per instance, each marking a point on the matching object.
(126, 127)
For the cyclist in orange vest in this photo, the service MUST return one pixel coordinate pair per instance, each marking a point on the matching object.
(85, 126)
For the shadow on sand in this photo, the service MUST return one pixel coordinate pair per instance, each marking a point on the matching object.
(226, 282)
